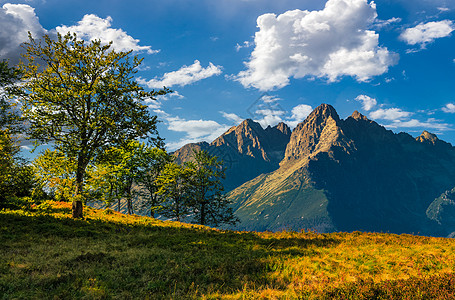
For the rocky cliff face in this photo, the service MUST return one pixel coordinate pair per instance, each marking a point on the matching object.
(247, 150)
(349, 175)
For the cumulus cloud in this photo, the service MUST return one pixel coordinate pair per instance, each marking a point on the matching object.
(184, 76)
(92, 27)
(299, 113)
(367, 102)
(425, 33)
(449, 108)
(329, 43)
(389, 114)
(16, 20)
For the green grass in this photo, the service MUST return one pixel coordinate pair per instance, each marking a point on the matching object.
(44, 254)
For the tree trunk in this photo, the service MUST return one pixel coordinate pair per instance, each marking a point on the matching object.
(153, 205)
(77, 209)
(202, 213)
(77, 203)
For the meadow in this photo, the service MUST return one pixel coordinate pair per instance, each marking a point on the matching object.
(45, 254)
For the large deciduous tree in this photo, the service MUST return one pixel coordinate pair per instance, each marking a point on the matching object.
(83, 97)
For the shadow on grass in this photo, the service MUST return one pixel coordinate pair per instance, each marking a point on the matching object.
(59, 257)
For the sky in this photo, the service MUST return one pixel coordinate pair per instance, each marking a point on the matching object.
(267, 60)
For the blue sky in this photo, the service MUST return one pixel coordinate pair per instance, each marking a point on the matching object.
(268, 60)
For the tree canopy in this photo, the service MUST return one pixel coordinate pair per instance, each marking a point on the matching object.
(83, 98)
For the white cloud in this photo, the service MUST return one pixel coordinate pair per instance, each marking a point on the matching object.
(193, 128)
(443, 9)
(184, 76)
(449, 108)
(299, 113)
(329, 43)
(413, 123)
(155, 104)
(269, 117)
(266, 110)
(426, 33)
(270, 99)
(195, 131)
(389, 114)
(385, 23)
(367, 102)
(93, 27)
(232, 117)
(174, 94)
(16, 20)
(246, 44)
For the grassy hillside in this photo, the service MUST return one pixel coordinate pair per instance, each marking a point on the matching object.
(44, 254)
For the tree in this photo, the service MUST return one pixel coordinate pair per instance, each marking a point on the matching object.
(209, 204)
(125, 165)
(83, 98)
(153, 160)
(174, 184)
(8, 151)
(16, 177)
(123, 172)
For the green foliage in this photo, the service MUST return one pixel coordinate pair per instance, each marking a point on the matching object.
(56, 174)
(83, 97)
(209, 204)
(175, 188)
(16, 177)
(152, 161)
(119, 169)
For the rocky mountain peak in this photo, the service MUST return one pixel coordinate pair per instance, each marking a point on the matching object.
(318, 132)
(322, 113)
(427, 137)
(283, 128)
(358, 116)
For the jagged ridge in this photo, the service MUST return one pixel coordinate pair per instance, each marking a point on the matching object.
(247, 150)
(349, 175)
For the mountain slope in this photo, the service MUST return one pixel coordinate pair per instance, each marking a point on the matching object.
(349, 175)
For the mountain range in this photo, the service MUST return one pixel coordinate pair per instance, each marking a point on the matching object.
(331, 174)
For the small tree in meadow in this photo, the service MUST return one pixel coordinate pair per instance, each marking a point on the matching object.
(174, 184)
(209, 204)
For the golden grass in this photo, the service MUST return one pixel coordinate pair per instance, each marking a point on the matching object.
(178, 260)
